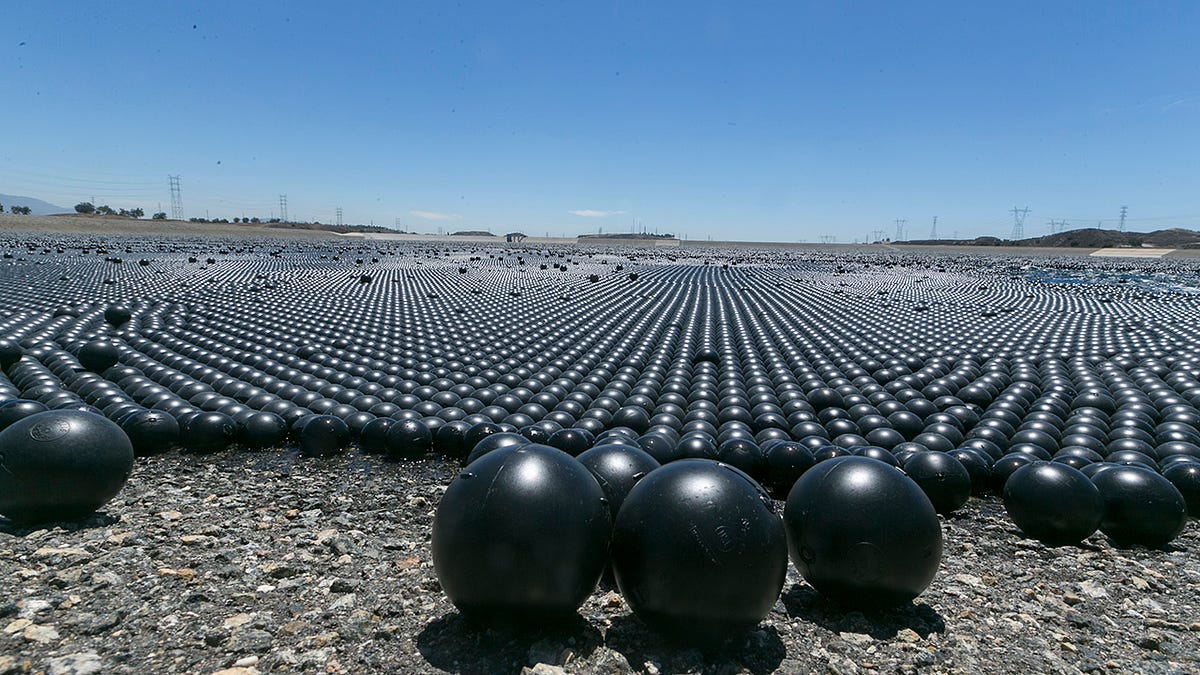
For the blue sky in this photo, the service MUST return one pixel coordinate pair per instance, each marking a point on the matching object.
(768, 121)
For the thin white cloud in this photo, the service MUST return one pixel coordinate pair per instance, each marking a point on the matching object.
(434, 215)
(593, 213)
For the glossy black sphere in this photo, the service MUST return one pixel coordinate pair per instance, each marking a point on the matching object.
(862, 533)
(1140, 506)
(409, 439)
(521, 535)
(61, 465)
(943, 479)
(323, 435)
(617, 468)
(698, 524)
(208, 432)
(1053, 503)
(150, 431)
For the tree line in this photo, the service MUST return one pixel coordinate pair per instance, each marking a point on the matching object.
(16, 210)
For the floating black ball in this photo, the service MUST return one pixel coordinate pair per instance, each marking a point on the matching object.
(1140, 506)
(10, 353)
(450, 440)
(99, 355)
(261, 430)
(659, 446)
(150, 431)
(862, 533)
(1053, 503)
(1005, 466)
(943, 479)
(373, 437)
(786, 462)
(18, 409)
(409, 439)
(323, 435)
(117, 315)
(61, 465)
(699, 551)
(521, 535)
(745, 455)
(572, 441)
(1185, 476)
(617, 468)
(504, 439)
(208, 432)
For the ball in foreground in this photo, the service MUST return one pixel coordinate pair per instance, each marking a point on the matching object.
(1053, 503)
(61, 465)
(698, 551)
(862, 533)
(521, 535)
(1140, 506)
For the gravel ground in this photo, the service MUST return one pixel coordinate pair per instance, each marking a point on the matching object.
(272, 562)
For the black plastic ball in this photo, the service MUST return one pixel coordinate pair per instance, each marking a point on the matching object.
(208, 432)
(18, 409)
(61, 465)
(572, 441)
(261, 430)
(323, 435)
(409, 439)
(1185, 476)
(617, 468)
(150, 431)
(521, 535)
(943, 479)
(99, 355)
(1140, 506)
(1053, 503)
(504, 439)
(862, 533)
(699, 551)
(786, 462)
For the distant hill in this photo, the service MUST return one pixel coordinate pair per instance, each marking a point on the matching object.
(1091, 237)
(37, 207)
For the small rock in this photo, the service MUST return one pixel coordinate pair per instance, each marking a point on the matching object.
(40, 633)
(858, 639)
(543, 669)
(80, 663)
(1150, 641)
(236, 670)
(250, 640)
(1092, 589)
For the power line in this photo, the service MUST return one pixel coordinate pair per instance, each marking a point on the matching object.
(1124, 211)
(900, 228)
(283, 217)
(176, 197)
(1018, 231)
(339, 216)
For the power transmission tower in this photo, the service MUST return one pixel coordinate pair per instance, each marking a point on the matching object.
(1018, 231)
(828, 238)
(900, 228)
(176, 198)
(933, 230)
(1121, 226)
(1057, 226)
(877, 235)
(283, 217)
(339, 216)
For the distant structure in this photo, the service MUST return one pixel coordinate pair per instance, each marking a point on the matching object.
(1057, 226)
(828, 239)
(1121, 225)
(933, 230)
(1018, 231)
(176, 197)
(339, 216)
(283, 217)
(900, 228)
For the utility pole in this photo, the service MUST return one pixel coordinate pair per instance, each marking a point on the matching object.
(1018, 231)
(1124, 211)
(900, 228)
(283, 217)
(176, 197)
(933, 230)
